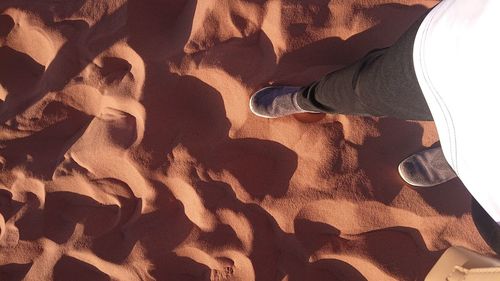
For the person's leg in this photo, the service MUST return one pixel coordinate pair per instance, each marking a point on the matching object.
(383, 83)
(487, 227)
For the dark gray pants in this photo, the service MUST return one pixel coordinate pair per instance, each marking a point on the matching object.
(487, 227)
(384, 83)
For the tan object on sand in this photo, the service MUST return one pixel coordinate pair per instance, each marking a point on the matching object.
(460, 264)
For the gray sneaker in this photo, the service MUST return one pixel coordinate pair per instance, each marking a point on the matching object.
(276, 101)
(426, 168)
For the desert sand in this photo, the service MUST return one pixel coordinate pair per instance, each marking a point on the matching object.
(128, 152)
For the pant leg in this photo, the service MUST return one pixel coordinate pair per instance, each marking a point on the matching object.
(383, 83)
(487, 227)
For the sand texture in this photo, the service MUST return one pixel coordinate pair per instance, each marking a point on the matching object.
(128, 152)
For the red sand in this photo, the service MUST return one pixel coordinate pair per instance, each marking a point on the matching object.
(128, 152)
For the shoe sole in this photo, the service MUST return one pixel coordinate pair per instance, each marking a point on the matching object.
(406, 180)
(413, 184)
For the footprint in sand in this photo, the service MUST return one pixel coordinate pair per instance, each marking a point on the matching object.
(70, 268)
(2, 226)
(100, 206)
(101, 100)
(120, 72)
(225, 265)
(114, 85)
(21, 204)
(15, 84)
(6, 25)
(106, 94)
(24, 46)
(14, 271)
(89, 267)
(108, 89)
(358, 237)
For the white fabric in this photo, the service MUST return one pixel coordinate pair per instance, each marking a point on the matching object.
(457, 59)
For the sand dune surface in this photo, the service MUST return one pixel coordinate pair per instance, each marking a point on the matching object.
(128, 151)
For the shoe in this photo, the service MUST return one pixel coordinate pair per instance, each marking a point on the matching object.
(426, 168)
(276, 101)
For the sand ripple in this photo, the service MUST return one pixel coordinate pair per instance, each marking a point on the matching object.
(127, 151)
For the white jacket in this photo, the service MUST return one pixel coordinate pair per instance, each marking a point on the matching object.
(457, 62)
